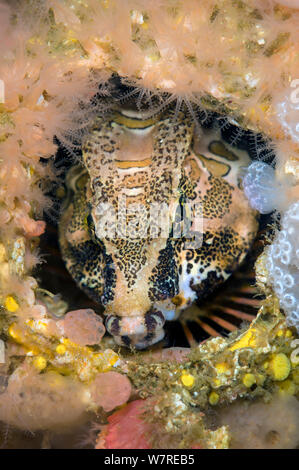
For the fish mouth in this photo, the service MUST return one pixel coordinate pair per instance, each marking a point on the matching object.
(139, 332)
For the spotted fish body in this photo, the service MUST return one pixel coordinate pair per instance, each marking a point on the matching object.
(139, 171)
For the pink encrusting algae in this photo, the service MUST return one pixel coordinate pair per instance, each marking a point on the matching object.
(126, 429)
(82, 327)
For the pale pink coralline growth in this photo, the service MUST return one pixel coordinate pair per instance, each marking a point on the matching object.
(35, 401)
(31, 227)
(9, 36)
(15, 187)
(62, 13)
(34, 228)
(83, 327)
(4, 217)
(23, 289)
(32, 120)
(35, 136)
(4, 17)
(19, 75)
(41, 93)
(110, 389)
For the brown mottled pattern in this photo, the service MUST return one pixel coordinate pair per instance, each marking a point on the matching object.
(156, 161)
